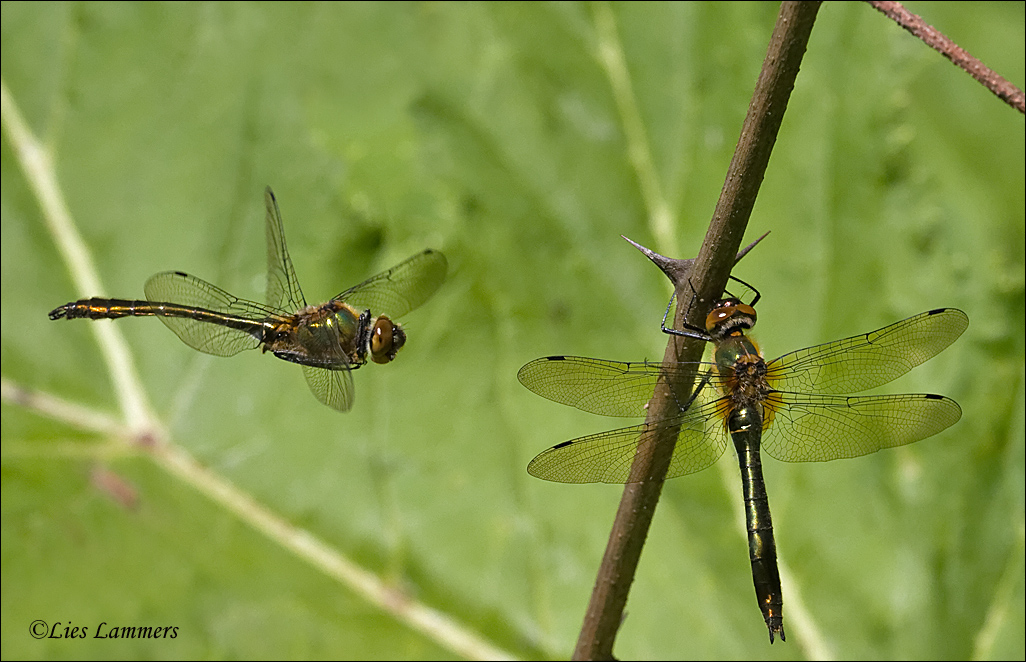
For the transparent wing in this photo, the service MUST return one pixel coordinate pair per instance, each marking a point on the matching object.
(799, 428)
(610, 388)
(283, 291)
(400, 289)
(608, 457)
(817, 428)
(862, 362)
(222, 324)
(332, 387)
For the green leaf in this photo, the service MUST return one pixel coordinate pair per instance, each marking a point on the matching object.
(493, 133)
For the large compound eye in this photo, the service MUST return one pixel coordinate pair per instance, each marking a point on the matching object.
(723, 310)
(728, 316)
(381, 342)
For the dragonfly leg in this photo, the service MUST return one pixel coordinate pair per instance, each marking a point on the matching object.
(689, 331)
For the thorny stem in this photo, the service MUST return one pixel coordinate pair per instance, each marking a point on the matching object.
(707, 277)
(933, 37)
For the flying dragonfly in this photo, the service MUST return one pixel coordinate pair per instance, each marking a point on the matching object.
(329, 340)
(793, 407)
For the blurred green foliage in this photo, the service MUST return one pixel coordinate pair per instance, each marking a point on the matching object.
(490, 131)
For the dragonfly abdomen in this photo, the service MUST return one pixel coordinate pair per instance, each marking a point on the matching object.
(110, 309)
(745, 426)
(104, 309)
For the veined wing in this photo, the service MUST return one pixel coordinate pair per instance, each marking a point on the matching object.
(801, 427)
(862, 362)
(235, 325)
(610, 388)
(283, 291)
(400, 289)
(332, 387)
(608, 457)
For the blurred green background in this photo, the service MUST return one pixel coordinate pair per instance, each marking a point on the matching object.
(491, 132)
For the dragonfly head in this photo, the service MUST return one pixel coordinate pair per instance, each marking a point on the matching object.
(386, 339)
(729, 317)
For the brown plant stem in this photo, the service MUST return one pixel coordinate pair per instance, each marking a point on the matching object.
(705, 281)
(934, 38)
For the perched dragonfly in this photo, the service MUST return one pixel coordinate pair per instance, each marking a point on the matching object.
(791, 406)
(328, 340)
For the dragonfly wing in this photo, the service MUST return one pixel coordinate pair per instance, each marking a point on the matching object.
(282, 286)
(862, 362)
(247, 319)
(332, 387)
(609, 388)
(400, 289)
(608, 457)
(817, 428)
(327, 369)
